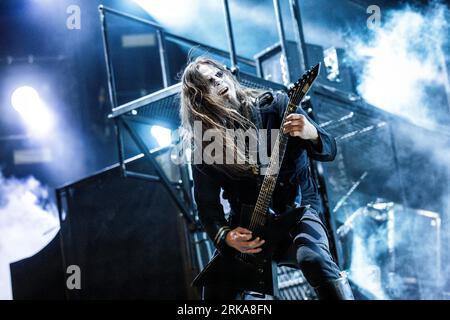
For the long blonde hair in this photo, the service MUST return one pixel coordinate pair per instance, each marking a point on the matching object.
(198, 104)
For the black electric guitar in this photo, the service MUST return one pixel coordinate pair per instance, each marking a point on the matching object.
(254, 272)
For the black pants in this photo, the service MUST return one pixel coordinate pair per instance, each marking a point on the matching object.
(313, 257)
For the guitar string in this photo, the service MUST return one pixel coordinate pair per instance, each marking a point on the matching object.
(276, 157)
(281, 144)
(272, 181)
(259, 219)
(264, 192)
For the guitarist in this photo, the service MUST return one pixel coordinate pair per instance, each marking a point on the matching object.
(213, 97)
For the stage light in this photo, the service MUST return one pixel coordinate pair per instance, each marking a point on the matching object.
(27, 102)
(24, 98)
(162, 135)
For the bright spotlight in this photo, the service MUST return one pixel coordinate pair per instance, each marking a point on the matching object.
(24, 98)
(162, 135)
(26, 101)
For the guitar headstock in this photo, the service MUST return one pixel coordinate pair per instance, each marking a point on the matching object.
(302, 86)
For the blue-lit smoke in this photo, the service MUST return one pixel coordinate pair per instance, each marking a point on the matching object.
(402, 59)
(402, 68)
(28, 221)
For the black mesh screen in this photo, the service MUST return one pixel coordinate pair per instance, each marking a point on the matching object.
(166, 108)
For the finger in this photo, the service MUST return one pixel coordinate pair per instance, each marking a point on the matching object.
(237, 236)
(295, 122)
(296, 129)
(289, 123)
(294, 125)
(255, 243)
(252, 250)
(243, 237)
(294, 116)
(242, 230)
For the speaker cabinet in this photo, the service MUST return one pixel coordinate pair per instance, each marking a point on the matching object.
(126, 236)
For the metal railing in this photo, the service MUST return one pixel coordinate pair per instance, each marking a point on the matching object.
(162, 36)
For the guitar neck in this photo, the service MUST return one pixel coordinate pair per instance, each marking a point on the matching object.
(296, 94)
(276, 159)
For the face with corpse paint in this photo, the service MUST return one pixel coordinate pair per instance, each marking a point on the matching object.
(220, 84)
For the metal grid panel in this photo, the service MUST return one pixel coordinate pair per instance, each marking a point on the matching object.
(365, 151)
(164, 110)
(293, 285)
(164, 105)
(367, 138)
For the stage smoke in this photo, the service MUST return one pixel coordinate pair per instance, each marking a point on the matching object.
(28, 221)
(401, 68)
(402, 62)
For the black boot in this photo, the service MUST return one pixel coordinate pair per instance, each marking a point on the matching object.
(338, 289)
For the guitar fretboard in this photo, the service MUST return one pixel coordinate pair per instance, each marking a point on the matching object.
(271, 175)
(296, 95)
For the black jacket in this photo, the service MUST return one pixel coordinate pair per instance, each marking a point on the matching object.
(294, 184)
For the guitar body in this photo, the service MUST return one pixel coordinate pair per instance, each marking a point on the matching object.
(252, 272)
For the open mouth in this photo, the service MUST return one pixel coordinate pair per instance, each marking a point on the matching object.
(223, 91)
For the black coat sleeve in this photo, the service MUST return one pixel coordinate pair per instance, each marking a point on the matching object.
(325, 148)
(210, 210)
